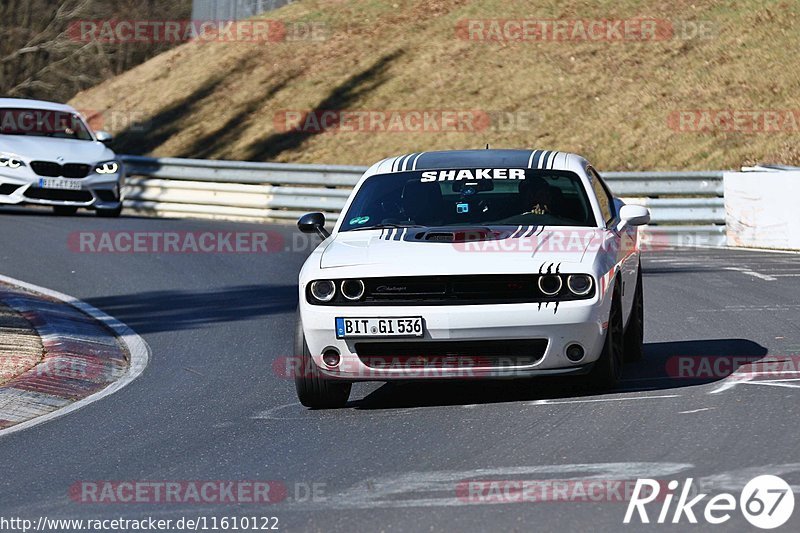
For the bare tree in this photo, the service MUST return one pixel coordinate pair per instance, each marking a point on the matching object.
(41, 57)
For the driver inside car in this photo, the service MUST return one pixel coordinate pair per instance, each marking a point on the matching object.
(539, 198)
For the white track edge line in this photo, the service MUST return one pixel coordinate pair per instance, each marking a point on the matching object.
(138, 349)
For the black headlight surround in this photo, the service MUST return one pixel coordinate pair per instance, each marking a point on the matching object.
(434, 290)
(315, 298)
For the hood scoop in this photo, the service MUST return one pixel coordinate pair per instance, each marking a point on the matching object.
(460, 235)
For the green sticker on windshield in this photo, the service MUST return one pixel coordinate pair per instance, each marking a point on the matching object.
(357, 221)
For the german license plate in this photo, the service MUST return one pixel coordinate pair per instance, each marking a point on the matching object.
(57, 183)
(379, 327)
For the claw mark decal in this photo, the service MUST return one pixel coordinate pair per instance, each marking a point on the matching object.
(556, 309)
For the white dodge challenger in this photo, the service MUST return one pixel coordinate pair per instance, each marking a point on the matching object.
(50, 156)
(471, 264)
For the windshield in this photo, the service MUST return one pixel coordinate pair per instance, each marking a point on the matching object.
(471, 197)
(42, 123)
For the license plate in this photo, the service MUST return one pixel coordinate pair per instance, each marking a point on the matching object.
(379, 327)
(56, 183)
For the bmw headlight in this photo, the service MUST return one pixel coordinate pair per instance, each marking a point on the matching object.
(109, 167)
(11, 161)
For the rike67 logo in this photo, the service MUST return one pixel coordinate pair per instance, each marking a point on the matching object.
(767, 502)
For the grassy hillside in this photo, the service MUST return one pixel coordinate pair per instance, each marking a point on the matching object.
(615, 102)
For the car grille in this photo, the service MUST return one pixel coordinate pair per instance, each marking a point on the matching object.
(451, 354)
(455, 290)
(50, 169)
(58, 194)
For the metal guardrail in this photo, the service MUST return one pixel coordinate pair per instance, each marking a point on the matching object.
(687, 206)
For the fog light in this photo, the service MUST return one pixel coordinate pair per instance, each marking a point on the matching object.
(575, 352)
(353, 289)
(331, 357)
(550, 284)
(323, 291)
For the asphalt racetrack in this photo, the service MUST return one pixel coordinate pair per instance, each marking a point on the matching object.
(210, 406)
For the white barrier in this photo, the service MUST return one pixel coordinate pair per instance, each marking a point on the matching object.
(761, 209)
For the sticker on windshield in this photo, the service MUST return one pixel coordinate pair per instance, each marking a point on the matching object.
(473, 174)
(357, 221)
(462, 208)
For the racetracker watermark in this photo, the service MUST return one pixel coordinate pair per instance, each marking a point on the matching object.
(533, 30)
(198, 31)
(176, 242)
(733, 366)
(117, 120)
(382, 121)
(750, 121)
(38, 121)
(179, 492)
(547, 490)
(407, 366)
(229, 492)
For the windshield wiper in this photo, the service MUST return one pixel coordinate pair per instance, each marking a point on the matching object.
(388, 226)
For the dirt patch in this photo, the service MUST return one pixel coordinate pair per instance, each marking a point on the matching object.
(20, 346)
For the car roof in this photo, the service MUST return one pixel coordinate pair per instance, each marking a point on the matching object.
(24, 103)
(454, 159)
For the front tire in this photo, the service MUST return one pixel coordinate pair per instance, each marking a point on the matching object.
(634, 333)
(607, 370)
(313, 388)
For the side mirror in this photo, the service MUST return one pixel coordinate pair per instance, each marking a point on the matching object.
(633, 215)
(104, 137)
(313, 223)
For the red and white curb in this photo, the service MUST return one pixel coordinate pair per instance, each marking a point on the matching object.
(84, 362)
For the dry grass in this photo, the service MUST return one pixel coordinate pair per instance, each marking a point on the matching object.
(609, 101)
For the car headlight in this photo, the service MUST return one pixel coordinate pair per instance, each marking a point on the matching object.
(10, 161)
(579, 284)
(109, 167)
(323, 290)
(550, 284)
(352, 289)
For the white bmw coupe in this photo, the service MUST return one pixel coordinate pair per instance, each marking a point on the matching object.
(50, 156)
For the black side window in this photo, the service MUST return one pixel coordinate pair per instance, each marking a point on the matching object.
(604, 196)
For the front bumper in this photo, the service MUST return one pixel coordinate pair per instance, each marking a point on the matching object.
(97, 191)
(583, 322)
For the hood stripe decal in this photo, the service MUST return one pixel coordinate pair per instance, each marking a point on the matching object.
(552, 160)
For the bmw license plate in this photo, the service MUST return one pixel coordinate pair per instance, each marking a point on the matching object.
(379, 327)
(57, 183)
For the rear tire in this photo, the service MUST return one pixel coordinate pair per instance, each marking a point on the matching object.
(109, 213)
(313, 388)
(607, 370)
(634, 333)
(64, 210)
